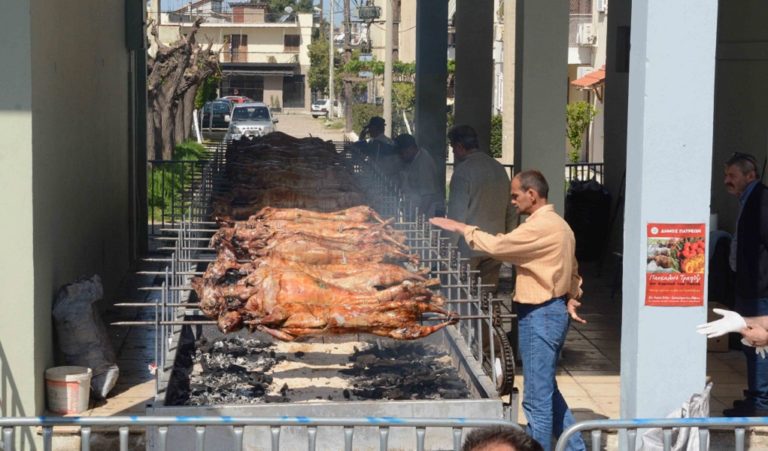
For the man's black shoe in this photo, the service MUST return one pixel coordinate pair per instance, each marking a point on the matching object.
(745, 412)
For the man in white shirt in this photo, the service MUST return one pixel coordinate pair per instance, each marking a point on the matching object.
(478, 195)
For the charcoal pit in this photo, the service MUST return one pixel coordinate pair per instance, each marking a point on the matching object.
(245, 374)
(241, 370)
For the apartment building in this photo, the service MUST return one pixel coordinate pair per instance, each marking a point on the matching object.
(263, 55)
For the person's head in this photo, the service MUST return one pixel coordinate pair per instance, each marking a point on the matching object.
(376, 126)
(463, 141)
(529, 191)
(500, 438)
(740, 171)
(405, 145)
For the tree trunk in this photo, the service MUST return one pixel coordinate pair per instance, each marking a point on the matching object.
(174, 75)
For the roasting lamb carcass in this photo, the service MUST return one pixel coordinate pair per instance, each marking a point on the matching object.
(290, 303)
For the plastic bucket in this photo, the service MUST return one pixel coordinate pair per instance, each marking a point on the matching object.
(68, 388)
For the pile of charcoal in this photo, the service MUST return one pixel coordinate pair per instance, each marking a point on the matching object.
(404, 371)
(231, 370)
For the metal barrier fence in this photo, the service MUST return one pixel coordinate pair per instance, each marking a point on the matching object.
(237, 424)
(667, 426)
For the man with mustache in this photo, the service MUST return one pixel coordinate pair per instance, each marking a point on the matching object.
(749, 260)
(547, 295)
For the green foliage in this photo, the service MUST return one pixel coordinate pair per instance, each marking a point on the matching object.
(207, 90)
(578, 115)
(168, 180)
(496, 135)
(403, 100)
(318, 60)
(362, 113)
(189, 150)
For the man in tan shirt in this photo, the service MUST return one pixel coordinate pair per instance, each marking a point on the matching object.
(547, 293)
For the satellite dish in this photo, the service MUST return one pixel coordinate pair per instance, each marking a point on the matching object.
(288, 9)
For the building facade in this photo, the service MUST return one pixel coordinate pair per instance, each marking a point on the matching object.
(263, 56)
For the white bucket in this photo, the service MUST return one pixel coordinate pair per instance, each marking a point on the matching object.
(68, 388)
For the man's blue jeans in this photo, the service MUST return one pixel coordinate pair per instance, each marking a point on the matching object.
(542, 331)
(757, 367)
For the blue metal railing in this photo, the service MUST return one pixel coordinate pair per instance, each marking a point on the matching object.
(200, 423)
(667, 426)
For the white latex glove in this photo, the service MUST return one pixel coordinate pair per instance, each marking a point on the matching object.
(762, 351)
(730, 322)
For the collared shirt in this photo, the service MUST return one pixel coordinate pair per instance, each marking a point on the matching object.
(479, 195)
(543, 251)
(734, 244)
(418, 181)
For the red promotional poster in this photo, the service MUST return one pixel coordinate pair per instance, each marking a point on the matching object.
(674, 275)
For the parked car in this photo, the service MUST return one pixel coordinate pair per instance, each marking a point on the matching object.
(239, 99)
(320, 107)
(216, 114)
(250, 119)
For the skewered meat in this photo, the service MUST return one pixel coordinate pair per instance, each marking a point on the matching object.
(299, 305)
(326, 265)
(360, 213)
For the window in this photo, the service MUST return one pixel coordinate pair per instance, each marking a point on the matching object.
(237, 52)
(216, 6)
(291, 42)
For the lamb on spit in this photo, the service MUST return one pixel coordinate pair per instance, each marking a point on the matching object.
(299, 279)
(288, 303)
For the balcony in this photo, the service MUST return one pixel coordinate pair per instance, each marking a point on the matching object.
(262, 57)
(234, 17)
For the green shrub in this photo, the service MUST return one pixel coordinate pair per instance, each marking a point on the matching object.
(496, 136)
(362, 113)
(167, 181)
(578, 115)
(189, 150)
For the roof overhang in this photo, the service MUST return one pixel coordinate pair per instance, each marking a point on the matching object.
(260, 69)
(594, 81)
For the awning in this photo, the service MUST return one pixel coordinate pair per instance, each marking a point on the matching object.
(594, 81)
(285, 69)
(591, 79)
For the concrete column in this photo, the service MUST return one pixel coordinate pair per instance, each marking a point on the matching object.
(431, 75)
(615, 114)
(474, 66)
(540, 91)
(669, 158)
(508, 85)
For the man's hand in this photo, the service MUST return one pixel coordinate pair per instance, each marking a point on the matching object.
(755, 336)
(448, 224)
(364, 133)
(759, 350)
(572, 305)
(730, 322)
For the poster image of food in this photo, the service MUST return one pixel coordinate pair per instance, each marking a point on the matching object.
(674, 275)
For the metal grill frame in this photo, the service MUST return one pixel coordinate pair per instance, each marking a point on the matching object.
(189, 236)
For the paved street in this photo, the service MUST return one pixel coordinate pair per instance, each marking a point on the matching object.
(302, 125)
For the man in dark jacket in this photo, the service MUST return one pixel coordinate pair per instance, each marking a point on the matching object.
(749, 260)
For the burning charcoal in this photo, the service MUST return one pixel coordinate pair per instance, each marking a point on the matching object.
(237, 368)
